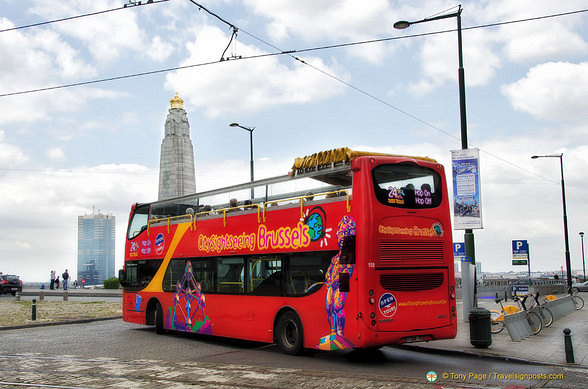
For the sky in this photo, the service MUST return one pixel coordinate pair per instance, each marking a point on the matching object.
(94, 146)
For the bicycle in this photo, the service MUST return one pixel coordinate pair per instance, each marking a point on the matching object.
(497, 317)
(544, 313)
(578, 301)
(533, 318)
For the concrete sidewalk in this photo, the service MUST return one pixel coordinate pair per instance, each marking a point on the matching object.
(545, 347)
(71, 292)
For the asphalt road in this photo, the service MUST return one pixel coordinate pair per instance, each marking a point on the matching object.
(124, 343)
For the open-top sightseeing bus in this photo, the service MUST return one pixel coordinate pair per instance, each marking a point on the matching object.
(349, 250)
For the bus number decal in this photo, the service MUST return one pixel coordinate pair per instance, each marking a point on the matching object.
(388, 304)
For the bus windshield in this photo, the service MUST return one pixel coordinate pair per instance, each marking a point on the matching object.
(407, 186)
(139, 222)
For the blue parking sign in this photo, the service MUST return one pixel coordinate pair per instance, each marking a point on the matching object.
(458, 251)
(520, 252)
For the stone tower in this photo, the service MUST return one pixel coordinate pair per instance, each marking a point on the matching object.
(176, 164)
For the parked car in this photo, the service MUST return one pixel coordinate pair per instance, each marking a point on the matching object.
(580, 286)
(10, 284)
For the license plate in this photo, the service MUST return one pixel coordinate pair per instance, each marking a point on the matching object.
(413, 339)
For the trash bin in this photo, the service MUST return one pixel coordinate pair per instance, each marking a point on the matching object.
(480, 334)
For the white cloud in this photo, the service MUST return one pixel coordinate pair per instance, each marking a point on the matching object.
(56, 153)
(536, 42)
(106, 36)
(48, 238)
(556, 91)
(159, 49)
(10, 155)
(539, 40)
(248, 85)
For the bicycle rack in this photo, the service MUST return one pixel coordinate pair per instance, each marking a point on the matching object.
(517, 326)
(561, 307)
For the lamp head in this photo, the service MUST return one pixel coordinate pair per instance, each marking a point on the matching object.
(401, 24)
(581, 234)
(234, 125)
(533, 157)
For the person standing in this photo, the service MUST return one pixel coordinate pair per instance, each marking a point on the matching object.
(65, 277)
(57, 282)
(52, 284)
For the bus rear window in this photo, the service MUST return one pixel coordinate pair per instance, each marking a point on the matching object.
(407, 186)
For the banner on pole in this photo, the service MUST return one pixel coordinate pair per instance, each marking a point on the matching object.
(467, 206)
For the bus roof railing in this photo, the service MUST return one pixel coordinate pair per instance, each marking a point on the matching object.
(332, 167)
(339, 171)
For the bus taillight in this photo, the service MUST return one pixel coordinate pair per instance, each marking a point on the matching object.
(372, 299)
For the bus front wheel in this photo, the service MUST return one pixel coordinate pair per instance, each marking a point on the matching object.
(159, 319)
(289, 334)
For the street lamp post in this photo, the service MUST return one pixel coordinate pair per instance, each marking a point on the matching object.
(565, 215)
(401, 25)
(468, 234)
(250, 130)
(583, 261)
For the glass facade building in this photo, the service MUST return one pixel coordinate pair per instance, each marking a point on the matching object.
(96, 236)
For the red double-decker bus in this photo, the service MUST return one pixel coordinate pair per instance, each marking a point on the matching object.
(349, 250)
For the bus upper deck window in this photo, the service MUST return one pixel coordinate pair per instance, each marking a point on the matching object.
(407, 186)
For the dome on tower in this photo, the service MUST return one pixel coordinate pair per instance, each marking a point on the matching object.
(176, 102)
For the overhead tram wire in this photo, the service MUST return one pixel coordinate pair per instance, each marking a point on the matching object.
(81, 16)
(285, 52)
(291, 52)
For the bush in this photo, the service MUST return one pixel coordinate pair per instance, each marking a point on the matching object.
(111, 283)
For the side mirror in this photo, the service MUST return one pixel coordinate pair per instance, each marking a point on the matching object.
(121, 277)
(347, 256)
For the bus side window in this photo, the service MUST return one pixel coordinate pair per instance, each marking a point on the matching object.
(306, 272)
(265, 276)
(173, 274)
(347, 256)
(231, 275)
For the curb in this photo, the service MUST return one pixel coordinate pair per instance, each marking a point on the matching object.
(431, 350)
(58, 323)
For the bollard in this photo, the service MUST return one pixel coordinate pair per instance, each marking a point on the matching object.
(568, 345)
(34, 312)
(42, 295)
(17, 296)
(65, 296)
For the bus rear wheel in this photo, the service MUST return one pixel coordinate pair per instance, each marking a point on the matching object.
(289, 334)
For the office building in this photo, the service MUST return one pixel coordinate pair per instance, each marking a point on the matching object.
(96, 237)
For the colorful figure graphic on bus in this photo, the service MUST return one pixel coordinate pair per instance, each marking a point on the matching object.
(335, 301)
(189, 302)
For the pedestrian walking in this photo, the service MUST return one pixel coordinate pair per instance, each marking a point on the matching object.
(65, 277)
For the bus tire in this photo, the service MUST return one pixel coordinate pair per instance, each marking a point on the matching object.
(289, 334)
(159, 319)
